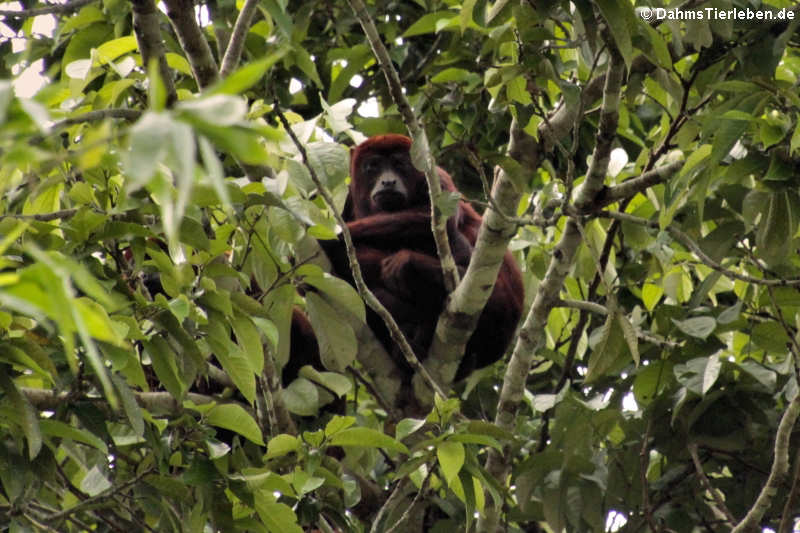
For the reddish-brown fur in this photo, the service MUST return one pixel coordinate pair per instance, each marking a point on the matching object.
(397, 254)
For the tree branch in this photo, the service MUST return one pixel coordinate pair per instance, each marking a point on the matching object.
(693, 247)
(147, 28)
(55, 9)
(721, 508)
(198, 52)
(780, 467)
(236, 42)
(158, 402)
(532, 335)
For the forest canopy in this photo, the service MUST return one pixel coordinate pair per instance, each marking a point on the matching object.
(170, 173)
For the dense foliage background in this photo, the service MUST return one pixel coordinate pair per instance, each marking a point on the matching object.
(157, 227)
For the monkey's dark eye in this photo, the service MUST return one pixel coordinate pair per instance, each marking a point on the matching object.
(371, 165)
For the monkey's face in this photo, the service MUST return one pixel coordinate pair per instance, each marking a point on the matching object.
(391, 180)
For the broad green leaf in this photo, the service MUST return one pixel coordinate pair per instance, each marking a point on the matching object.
(407, 426)
(339, 291)
(277, 517)
(235, 418)
(217, 109)
(366, 437)
(301, 397)
(451, 458)
(95, 482)
(111, 50)
(281, 445)
(711, 372)
(162, 359)
(699, 327)
(430, 23)
(651, 294)
(249, 340)
(247, 75)
(56, 428)
(233, 360)
(621, 21)
(28, 417)
(780, 222)
(337, 341)
(610, 352)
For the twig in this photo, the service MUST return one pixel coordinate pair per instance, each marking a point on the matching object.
(45, 217)
(720, 503)
(54, 9)
(99, 114)
(396, 494)
(696, 250)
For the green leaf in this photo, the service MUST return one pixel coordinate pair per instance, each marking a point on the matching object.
(301, 397)
(56, 428)
(610, 352)
(331, 161)
(337, 341)
(235, 418)
(339, 291)
(95, 482)
(451, 458)
(28, 417)
(621, 21)
(431, 23)
(773, 238)
(699, 327)
(163, 359)
(281, 445)
(217, 109)
(111, 50)
(407, 426)
(249, 340)
(233, 360)
(277, 517)
(368, 438)
(711, 372)
(248, 75)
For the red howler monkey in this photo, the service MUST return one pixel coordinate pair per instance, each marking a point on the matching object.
(388, 215)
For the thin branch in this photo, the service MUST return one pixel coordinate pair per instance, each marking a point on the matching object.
(719, 502)
(629, 188)
(147, 28)
(55, 9)
(779, 470)
(693, 247)
(160, 402)
(397, 493)
(787, 520)
(94, 500)
(236, 42)
(361, 286)
(410, 507)
(420, 149)
(182, 15)
(644, 463)
(45, 217)
(100, 114)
